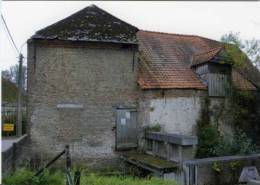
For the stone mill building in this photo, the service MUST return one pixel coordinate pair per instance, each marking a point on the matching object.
(95, 82)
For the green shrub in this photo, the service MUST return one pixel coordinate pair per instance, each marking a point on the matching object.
(242, 144)
(216, 167)
(212, 144)
(20, 177)
(204, 118)
(242, 110)
(154, 128)
(209, 139)
(122, 180)
(234, 55)
(243, 107)
(224, 147)
(25, 177)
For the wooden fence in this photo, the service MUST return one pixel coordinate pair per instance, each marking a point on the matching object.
(9, 116)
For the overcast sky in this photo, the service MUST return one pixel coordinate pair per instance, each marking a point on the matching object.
(208, 19)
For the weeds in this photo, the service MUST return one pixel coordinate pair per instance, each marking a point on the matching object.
(57, 177)
(26, 177)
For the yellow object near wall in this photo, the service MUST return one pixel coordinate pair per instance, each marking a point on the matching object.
(8, 127)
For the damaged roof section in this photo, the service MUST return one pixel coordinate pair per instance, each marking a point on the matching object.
(90, 24)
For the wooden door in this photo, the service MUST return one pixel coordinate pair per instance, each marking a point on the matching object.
(126, 128)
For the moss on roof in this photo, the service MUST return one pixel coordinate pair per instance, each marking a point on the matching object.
(242, 64)
(90, 24)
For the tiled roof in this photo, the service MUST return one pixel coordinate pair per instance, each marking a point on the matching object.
(166, 59)
(90, 24)
(241, 82)
(251, 73)
(206, 56)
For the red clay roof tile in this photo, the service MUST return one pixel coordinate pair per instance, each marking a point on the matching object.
(241, 82)
(206, 56)
(166, 61)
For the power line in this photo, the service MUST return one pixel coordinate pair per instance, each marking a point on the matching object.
(9, 33)
(9, 40)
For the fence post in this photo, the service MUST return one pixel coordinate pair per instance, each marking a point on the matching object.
(68, 159)
(68, 164)
(14, 157)
(77, 178)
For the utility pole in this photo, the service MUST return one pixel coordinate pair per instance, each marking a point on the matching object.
(19, 103)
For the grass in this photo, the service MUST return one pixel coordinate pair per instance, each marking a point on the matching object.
(121, 180)
(25, 177)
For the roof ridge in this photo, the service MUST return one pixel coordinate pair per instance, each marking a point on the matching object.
(177, 34)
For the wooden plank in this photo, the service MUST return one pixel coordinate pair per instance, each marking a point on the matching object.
(217, 84)
(149, 161)
(142, 165)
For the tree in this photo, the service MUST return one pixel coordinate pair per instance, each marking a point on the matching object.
(250, 47)
(12, 75)
(232, 38)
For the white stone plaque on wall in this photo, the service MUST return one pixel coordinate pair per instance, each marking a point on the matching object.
(69, 106)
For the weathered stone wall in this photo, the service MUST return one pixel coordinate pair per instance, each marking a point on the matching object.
(15, 156)
(175, 110)
(95, 77)
(221, 115)
(176, 115)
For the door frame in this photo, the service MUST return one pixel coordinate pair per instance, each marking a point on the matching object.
(130, 108)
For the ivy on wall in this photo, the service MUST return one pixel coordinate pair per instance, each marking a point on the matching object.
(241, 108)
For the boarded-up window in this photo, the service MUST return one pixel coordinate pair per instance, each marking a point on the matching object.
(218, 84)
(216, 76)
(219, 79)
